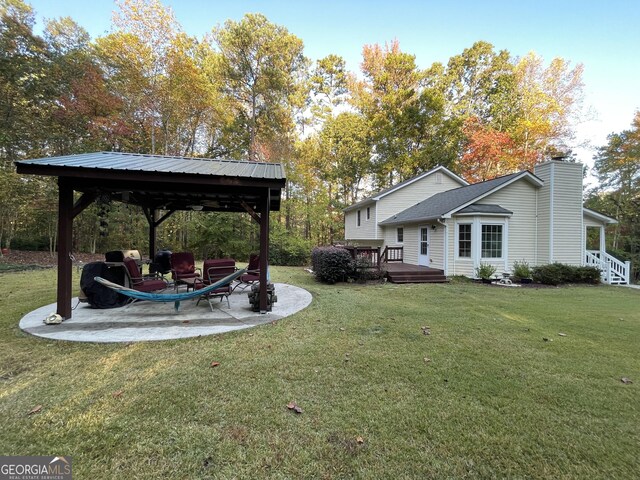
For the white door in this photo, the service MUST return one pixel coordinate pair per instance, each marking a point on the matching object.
(423, 247)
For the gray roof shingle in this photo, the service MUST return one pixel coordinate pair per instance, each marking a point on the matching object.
(442, 203)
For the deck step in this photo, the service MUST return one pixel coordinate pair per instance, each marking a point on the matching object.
(412, 276)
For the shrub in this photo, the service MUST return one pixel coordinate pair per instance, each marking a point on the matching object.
(289, 250)
(559, 273)
(485, 270)
(521, 269)
(366, 270)
(332, 264)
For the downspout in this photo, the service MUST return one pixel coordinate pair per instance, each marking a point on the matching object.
(535, 253)
(551, 211)
(446, 245)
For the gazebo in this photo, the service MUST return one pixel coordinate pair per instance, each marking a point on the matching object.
(160, 185)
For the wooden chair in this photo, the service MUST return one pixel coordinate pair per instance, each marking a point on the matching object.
(214, 271)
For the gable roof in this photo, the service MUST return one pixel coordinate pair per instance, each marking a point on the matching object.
(449, 202)
(490, 209)
(601, 217)
(382, 193)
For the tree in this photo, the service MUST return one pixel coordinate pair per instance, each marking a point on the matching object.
(135, 58)
(329, 86)
(490, 153)
(549, 104)
(617, 165)
(404, 116)
(23, 97)
(259, 63)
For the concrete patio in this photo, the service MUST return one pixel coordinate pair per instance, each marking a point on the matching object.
(147, 321)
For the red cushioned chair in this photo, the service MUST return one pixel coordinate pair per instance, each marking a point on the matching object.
(215, 270)
(253, 272)
(139, 282)
(183, 269)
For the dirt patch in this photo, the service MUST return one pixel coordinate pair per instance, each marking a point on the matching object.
(44, 259)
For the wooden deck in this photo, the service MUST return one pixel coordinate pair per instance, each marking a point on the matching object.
(398, 272)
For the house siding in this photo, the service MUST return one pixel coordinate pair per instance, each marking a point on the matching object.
(520, 198)
(562, 215)
(436, 247)
(410, 250)
(591, 222)
(412, 194)
(367, 229)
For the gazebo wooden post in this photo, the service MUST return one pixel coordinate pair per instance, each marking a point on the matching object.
(152, 232)
(264, 250)
(65, 231)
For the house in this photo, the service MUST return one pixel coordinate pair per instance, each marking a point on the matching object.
(438, 220)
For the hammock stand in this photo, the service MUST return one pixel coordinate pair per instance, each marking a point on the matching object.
(170, 297)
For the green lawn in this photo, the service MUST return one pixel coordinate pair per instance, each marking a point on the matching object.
(482, 396)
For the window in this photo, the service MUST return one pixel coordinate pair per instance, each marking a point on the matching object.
(491, 241)
(368, 213)
(464, 240)
(358, 218)
(400, 235)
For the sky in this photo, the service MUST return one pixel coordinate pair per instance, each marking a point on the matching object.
(603, 35)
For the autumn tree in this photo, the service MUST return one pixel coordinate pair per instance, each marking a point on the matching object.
(549, 104)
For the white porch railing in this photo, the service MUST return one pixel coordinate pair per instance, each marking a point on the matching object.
(612, 270)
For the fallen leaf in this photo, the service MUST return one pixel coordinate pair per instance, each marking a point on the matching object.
(297, 409)
(35, 409)
(291, 405)
(118, 393)
(626, 380)
(562, 334)
(360, 440)
(186, 321)
(547, 339)
(214, 364)
(427, 360)
(341, 329)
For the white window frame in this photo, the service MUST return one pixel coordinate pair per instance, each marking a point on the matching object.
(457, 241)
(358, 218)
(368, 213)
(476, 240)
(502, 256)
(397, 239)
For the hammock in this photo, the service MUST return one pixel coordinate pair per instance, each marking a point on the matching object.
(170, 297)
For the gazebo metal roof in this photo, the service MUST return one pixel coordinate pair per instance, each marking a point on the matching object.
(166, 182)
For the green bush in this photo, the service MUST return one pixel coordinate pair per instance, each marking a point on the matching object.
(332, 264)
(34, 244)
(521, 269)
(485, 270)
(559, 273)
(289, 250)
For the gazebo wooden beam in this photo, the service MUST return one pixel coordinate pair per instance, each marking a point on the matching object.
(83, 202)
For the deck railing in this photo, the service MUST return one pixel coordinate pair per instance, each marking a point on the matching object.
(612, 270)
(392, 254)
(371, 254)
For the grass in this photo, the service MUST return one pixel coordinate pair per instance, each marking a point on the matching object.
(492, 398)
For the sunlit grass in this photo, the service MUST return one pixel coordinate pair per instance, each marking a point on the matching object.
(482, 396)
